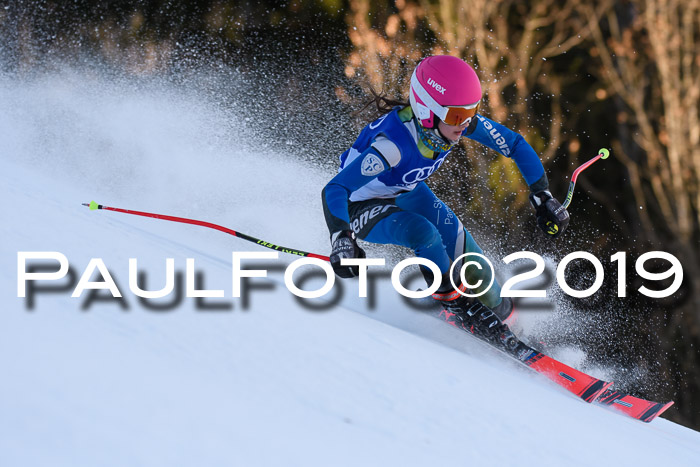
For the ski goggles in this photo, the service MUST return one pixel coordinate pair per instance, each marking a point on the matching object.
(457, 116)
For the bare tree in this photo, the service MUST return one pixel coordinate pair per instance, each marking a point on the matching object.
(649, 53)
(385, 46)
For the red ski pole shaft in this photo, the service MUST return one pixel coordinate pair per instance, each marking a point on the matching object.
(602, 154)
(94, 206)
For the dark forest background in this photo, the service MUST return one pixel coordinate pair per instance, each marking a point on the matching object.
(572, 76)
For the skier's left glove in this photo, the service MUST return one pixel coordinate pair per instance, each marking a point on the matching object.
(345, 246)
(552, 217)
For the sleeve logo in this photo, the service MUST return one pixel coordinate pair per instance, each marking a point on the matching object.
(372, 165)
(377, 122)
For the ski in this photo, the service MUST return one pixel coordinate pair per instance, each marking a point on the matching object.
(632, 406)
(584, 386)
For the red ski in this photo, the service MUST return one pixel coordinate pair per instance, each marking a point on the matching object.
(634, 407)
(585, 386)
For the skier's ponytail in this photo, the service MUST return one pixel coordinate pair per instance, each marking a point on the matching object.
(383, 103)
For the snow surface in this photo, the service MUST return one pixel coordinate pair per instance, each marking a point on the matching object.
(276, 384)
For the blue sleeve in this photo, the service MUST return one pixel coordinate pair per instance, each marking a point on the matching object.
(336, 194)
(510, 144)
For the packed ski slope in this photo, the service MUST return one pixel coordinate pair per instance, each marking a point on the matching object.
(109, 382)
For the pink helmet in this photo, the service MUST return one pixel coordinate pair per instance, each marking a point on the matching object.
(446, 87)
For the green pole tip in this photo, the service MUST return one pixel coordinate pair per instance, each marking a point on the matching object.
(604, 153)
(94, 206)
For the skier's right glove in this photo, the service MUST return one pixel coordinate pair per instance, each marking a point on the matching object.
(345, 246)
(552, 217)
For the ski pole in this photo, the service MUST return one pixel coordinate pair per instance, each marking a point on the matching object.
(602, 154)
(94, 206)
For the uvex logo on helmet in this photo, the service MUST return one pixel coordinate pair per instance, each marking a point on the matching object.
(437, 87)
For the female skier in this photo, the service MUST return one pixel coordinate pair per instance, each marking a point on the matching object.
(380, 194)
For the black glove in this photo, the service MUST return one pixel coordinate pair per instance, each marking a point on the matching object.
(552, 218)
(345, 246)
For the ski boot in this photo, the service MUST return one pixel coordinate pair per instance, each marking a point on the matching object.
(504, 310)
(487, 324)
(479, 319)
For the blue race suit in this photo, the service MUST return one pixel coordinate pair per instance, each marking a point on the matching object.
(380, 191)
